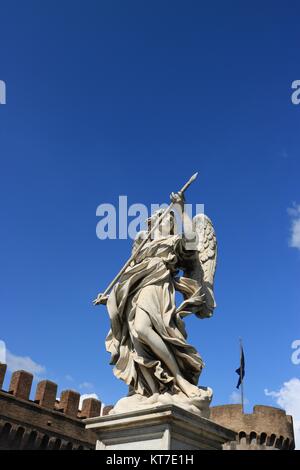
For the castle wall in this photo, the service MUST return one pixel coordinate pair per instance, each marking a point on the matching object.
(45, 422)
(49, 423)
(267, 428)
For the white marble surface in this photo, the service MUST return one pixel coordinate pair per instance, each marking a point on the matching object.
(165, 427)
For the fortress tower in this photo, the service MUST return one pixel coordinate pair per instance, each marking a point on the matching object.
(267, 428)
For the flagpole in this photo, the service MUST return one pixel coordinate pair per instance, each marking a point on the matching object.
(241, 376)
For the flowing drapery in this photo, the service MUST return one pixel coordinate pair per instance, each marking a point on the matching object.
(150, 284)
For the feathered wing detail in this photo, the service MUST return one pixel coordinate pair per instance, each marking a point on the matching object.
(202, 265)
(207, 249)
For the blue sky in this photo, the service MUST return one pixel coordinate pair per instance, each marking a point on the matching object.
(109, 98)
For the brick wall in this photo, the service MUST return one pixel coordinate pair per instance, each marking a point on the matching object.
(45, 422)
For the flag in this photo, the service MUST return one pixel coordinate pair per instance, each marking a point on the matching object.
(241, 370)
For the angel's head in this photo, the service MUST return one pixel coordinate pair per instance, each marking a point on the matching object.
(166, 227)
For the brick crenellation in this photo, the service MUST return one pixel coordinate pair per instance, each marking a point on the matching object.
(44, 422)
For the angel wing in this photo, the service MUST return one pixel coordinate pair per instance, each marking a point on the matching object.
(202, 266)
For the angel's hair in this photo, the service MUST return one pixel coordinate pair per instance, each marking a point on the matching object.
(152, 220)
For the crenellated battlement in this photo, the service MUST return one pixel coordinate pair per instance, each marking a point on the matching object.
(266, 428)
(45, 395)
(45, 421)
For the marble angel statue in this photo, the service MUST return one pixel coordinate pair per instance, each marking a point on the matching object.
(147, 340)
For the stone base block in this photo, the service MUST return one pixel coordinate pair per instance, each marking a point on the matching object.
(166, 427)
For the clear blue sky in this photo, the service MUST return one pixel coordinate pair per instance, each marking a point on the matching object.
(106, 98)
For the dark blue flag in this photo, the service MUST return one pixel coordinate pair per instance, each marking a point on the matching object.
(241, 370)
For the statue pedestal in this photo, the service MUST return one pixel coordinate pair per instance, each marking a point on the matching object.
(166, 427)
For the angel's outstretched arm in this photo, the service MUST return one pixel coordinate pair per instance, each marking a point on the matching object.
(189, 236)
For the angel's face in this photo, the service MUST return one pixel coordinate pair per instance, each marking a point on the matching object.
(166, 226)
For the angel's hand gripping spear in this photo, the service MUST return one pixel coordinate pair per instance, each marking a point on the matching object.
(102, 298)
